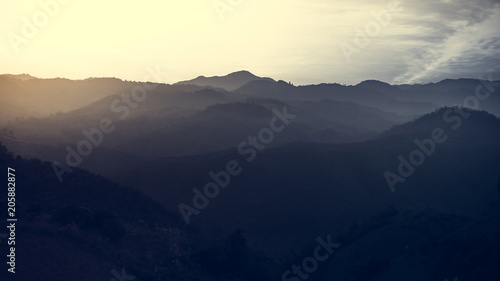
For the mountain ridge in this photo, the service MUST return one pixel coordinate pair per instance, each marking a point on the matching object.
(229, 82)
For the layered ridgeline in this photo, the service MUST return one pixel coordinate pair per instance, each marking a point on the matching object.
(444, 168)
(24, 96)
(439, 223)
(203, 115)
(398, 187)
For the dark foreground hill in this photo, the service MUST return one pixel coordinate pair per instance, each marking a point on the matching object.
(440, 223)
(89, 228)
(288, 196)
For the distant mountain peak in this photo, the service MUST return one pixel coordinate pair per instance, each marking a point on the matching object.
(372, 82)
(23, 77)
(228, 82)
(242, 72)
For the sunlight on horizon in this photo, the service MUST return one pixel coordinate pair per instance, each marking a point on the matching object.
(295, 40)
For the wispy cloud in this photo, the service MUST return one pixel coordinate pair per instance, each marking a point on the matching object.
(470, 46)
(294, 40)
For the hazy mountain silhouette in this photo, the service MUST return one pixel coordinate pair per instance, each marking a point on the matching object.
(23, 77)
(173, 119)
(325, 187)
(41, 97)
(451, 92)
(357, 94)
(158, 128)
(324, 174)
(229, 82)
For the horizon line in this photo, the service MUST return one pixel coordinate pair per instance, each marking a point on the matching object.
(222, 76)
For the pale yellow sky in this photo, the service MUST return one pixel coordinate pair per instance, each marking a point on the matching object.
(293, 40)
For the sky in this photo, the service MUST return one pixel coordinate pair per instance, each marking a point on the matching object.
(301, 41)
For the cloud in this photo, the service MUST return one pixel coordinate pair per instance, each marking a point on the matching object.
(470, 44)
(293, 40)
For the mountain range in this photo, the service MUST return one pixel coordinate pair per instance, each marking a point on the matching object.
(405, 178)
